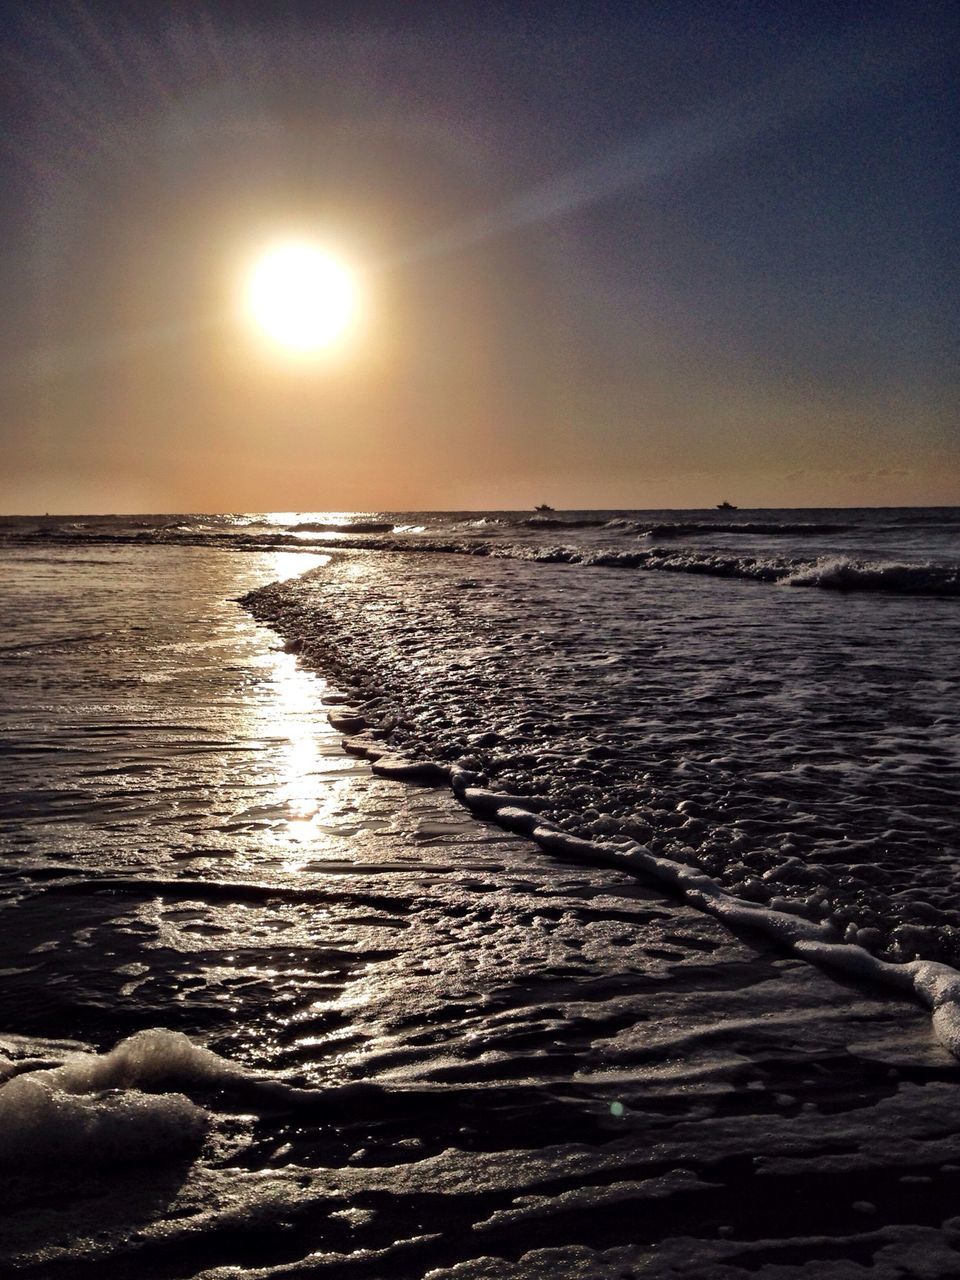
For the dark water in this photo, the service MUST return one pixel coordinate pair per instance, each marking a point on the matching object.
(266, 1013)
(908, 550)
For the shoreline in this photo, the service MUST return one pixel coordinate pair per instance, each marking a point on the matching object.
(931, 983)
(461, 1056)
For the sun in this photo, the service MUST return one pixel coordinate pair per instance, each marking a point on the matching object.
(301, 297)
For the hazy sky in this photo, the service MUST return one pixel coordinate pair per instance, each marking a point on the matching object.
(649, 254)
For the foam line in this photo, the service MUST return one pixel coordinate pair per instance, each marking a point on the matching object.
(426, 772)
(931, 983)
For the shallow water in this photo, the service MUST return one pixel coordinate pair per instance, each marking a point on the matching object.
(803, 749)
(569, 1070)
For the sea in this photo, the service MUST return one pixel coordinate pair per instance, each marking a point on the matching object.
(480, 894)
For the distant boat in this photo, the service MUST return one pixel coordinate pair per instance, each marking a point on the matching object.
(543, 507)
(723, 506)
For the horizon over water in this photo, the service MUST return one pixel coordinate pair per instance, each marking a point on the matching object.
(609, 944)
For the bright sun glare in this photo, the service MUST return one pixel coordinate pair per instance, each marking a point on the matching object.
(301, 297)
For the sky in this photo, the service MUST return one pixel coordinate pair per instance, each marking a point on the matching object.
(607, 255)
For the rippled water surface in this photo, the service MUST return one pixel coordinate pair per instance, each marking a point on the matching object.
(801, 746)
(265, 1013)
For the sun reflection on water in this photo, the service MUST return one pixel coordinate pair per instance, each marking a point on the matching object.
(310, 775)
(291, 564)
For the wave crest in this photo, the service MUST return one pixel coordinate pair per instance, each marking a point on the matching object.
(839, 573)
(763, 528)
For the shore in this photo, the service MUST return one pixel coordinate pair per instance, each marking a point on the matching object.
(438, 1050)
(574, 1076)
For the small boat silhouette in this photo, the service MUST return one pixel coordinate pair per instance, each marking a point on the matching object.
(543, 507)
(726, 506)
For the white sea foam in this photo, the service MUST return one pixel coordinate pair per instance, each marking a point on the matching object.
(772, 528)
(840, 573)
(93, 1107)
(832, 573)
(150, 1058)
(931, 983)
(40, 1124)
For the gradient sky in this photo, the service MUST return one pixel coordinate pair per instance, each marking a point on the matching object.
(612, 255)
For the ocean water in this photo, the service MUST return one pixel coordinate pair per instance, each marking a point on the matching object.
(609, 943)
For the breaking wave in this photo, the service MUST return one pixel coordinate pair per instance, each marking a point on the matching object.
(830, 573)
(594, 542)
(559, 522)
(347, 526)
(764, 528)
